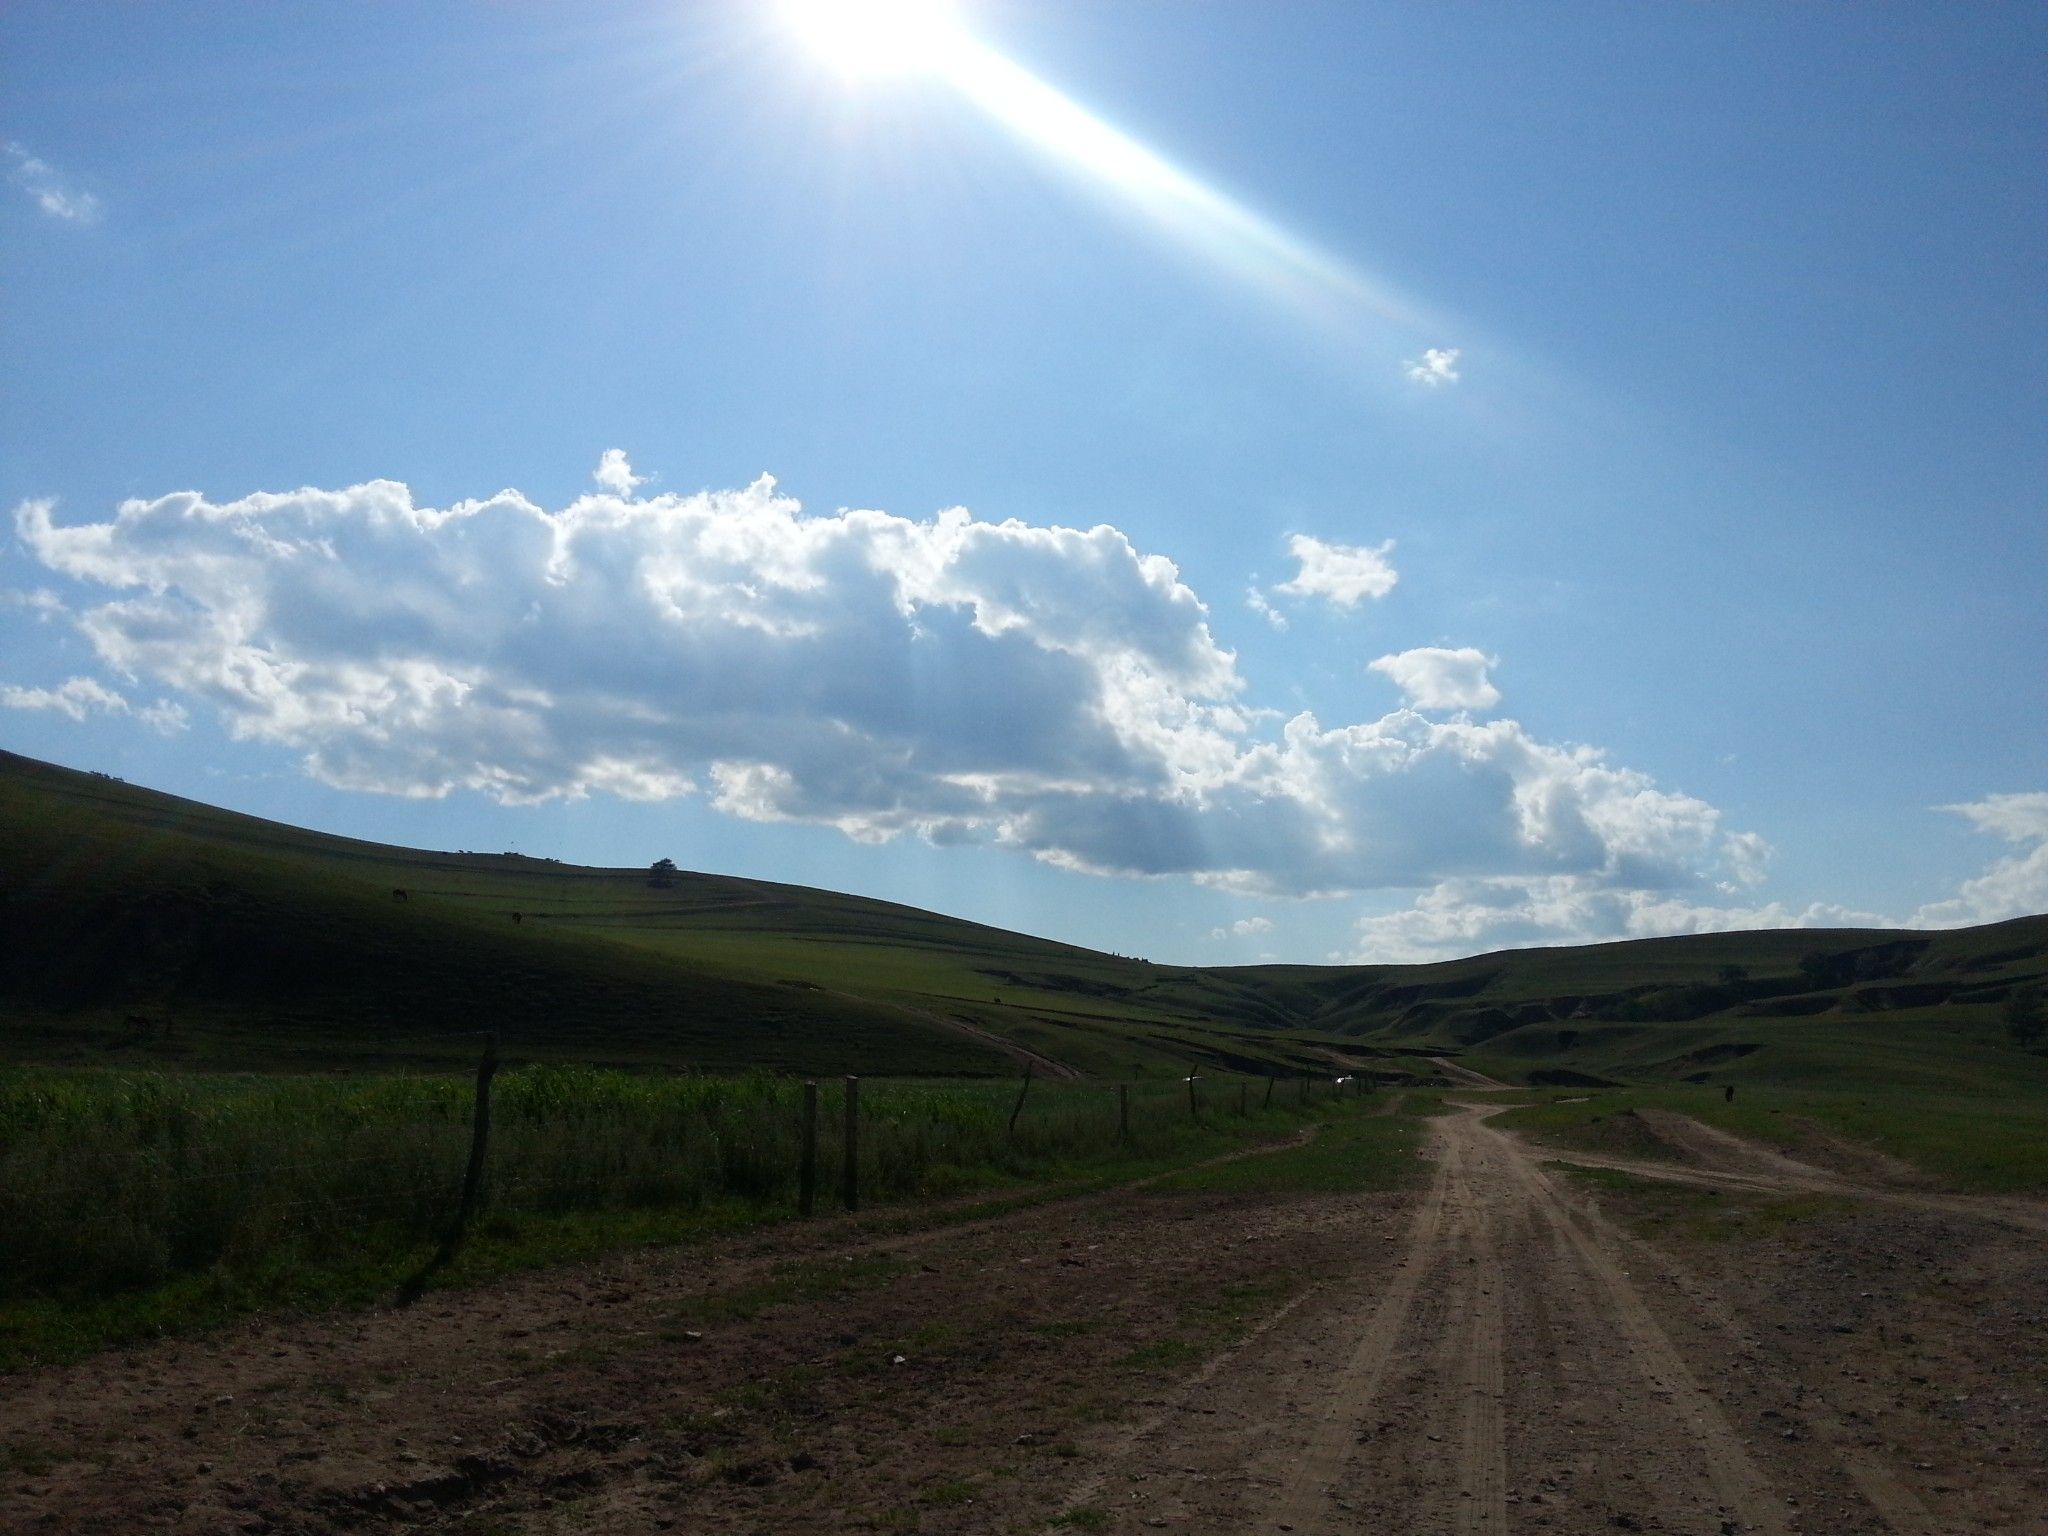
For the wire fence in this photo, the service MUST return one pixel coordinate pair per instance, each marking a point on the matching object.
(118, 1181)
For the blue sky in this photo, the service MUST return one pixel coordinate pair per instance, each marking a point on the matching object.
(1652, 393)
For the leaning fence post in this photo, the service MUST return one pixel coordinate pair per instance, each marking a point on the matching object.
(1123, 1111)
(479, 1143)
(1019, 1108)
(1270, 1081)
(807, 1169)
(1194, 1110)
(851, 1172)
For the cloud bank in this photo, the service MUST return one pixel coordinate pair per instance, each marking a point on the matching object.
(1049, 689)
(1054, 690)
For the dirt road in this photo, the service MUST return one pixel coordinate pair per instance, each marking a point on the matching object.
(1495, 1350)
(1515, 1371)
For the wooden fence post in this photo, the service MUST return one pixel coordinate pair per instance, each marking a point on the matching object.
(1243, 1088)
(807, 1169)
(1270, 1081)
(1304, 1088)
(479, 1144)
(1194, 1109)
(1123, 1111)
(851, 1171)
(1019, 1107)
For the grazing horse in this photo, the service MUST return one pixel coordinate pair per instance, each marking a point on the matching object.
(1728, 1094)
(518, 917)
(399, 895)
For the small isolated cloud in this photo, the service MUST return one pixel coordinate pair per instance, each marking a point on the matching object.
(1256, 601)
(1345, 574)
(2015, 886)
(614, 473)
(1436, 367)
(78, 697)
(1438, 679)
(1243, 928)
(43, 182)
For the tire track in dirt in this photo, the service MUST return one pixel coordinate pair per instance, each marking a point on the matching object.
(1736, 1480)
(1303, 1497)
(1508, 1367)
(1887, 1495)
(1573, 1449)
(1482, 1440)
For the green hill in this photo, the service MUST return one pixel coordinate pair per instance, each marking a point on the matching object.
(139, 926)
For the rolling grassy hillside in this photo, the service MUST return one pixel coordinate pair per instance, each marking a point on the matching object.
(1805, 1006)
(137, 926)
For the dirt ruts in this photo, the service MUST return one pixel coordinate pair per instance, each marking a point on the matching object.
(1495, 1350)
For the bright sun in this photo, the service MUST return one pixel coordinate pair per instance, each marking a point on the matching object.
(868, 37)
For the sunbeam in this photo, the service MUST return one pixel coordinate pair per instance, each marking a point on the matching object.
(868, 37)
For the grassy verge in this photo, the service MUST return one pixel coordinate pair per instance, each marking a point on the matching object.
(144, 1204)
(1983, 1143)
(1367, 1151)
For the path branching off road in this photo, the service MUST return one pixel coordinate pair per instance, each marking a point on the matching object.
(1495, 1349)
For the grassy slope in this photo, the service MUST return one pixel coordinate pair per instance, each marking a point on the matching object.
(140, 926)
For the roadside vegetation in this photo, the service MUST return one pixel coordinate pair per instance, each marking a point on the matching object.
(137, 1202)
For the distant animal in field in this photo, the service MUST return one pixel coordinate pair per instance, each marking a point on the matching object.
(1728, 1094)
(518, 917)
(399, 895)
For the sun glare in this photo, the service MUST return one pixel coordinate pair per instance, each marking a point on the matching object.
(871, 37)
(861, 39)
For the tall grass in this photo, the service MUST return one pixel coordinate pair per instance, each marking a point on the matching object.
(119, 1182)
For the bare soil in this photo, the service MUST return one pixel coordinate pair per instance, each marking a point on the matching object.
(1499, 1349)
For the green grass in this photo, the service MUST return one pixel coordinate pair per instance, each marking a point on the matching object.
(1367, 1151)
(136, 1201)
(149, 929)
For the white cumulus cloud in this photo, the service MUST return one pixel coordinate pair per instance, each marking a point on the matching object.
(1436, 367)
(1434, 678)
(48, 187)
(1345, 574)
(614, 473)
(1049, 689)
